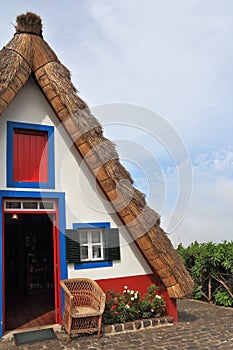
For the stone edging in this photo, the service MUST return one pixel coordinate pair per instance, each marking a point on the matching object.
(136, 325)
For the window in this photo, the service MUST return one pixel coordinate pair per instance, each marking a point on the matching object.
(30, 155)
(11, 205)
(93, 246)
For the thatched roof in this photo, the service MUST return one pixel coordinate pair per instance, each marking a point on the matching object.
(27, 54)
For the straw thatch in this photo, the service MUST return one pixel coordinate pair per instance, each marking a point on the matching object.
(27, 54)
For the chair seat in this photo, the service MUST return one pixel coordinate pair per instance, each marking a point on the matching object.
(84, 311)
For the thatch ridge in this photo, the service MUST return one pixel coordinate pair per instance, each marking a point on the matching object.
(29, 23)
(28, 54)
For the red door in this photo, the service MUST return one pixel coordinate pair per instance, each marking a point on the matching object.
(31, 228)
(56, 272)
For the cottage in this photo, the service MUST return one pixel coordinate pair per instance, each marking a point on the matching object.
(65, 210)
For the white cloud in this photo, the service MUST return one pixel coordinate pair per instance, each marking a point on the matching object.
(211, 165)
(209, 217)
(174, 57)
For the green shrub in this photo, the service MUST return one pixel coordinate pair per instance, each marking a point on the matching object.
(211, 267)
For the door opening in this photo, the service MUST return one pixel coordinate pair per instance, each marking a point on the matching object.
(29, 270)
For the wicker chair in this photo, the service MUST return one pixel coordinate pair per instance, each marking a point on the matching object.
(84, 306)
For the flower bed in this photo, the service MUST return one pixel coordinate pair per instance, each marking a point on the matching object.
(130, 306)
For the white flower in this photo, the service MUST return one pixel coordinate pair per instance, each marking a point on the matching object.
(132, 292)
(127, 306)
(128, 291)
(132, 298)
(135, 296)
(125, 287)
(158, 297)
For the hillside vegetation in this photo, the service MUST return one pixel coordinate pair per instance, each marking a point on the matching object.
(211, 267)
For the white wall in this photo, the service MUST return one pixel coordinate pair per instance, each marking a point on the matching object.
(84, 203)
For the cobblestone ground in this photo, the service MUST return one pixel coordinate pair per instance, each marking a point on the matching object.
(201, 326)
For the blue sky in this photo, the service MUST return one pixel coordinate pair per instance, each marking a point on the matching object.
(172, 61)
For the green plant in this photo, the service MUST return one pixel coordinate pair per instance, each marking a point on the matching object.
(211, 267)
(153, 304)
(129, 306)
(221, 297)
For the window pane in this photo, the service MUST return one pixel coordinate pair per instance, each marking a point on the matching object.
(95, 236)
(96, 252)
(13, 205)
(30, 205)
(46, 205)
(83, 237)
(84, 252)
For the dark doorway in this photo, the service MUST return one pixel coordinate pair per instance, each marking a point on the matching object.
(29, 272)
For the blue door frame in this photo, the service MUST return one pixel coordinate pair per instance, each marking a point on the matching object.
(60, 197)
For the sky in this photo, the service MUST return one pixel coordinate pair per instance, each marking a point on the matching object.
(159, 77)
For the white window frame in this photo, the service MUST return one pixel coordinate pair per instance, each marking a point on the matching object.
(90, 245)
(22, 208)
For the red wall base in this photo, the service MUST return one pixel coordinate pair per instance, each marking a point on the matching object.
(140, 283)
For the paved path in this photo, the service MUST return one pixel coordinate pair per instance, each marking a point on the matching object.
(201, 327)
